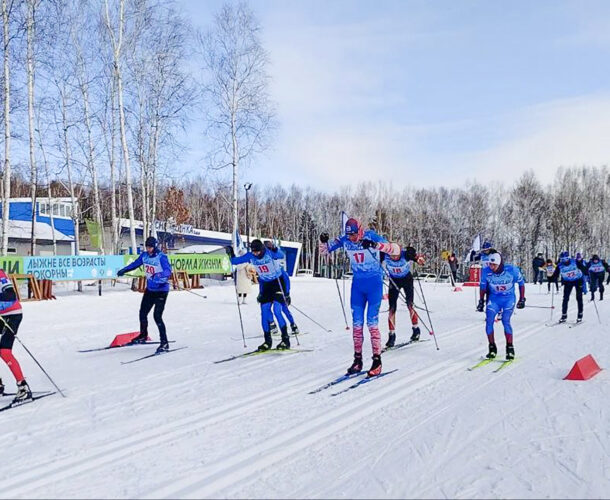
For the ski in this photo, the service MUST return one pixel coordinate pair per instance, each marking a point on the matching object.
(4, 394)
(124, 345)
(483, 362)
(574, 325)
(366, 380)
(556, 323)
(338, 380)
(257, 352)
(503, 364)
(252, 337)
(21, 403)
(152, 355)
(403, 344)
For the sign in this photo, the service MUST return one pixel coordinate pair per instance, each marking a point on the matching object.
(192, 263)
(73, 267)
(93, 267)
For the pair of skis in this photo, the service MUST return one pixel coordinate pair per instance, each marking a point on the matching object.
(258, 353)
(403, 344)
(136, 344)
(570, 324)
(350, 376)
(486, 361)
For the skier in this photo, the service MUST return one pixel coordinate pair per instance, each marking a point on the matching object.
(399, 271)
(272, 288)
(549, 268)
(363, 249)
(11, 316)
(573, 274)
(158, 271)
(285, 303)
(597, 272)
(538, 264)
(498, 282)
(453, 266)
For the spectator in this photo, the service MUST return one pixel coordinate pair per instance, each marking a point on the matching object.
(538, 265)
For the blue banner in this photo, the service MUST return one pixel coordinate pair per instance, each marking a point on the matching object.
(73, 267)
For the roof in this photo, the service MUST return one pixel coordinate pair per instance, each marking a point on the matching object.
(22, 229)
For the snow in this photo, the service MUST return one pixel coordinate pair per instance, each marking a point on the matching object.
(180, 426)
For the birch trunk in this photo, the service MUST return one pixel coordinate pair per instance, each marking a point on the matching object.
(30, 78)
(7, 129)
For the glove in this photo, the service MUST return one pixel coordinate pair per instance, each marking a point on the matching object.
(481, 306)
(521, 303)
(410, 253)
(229, 250)
(120, 272)
(324, 237)
(288, 301)
(421, 259)
(366, 243)
(270, 246)
(260, 298)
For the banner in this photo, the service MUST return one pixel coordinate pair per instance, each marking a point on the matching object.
(93, 267)
(192, 263)
(95, 234)
(73, 267)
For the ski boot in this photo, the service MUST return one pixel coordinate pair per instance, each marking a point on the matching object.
(356, 365)
(266, 345)
(23, 392)
(375, 367)
(493, 351)
(415, 334)
(1, 388)
(579, 318)
(140, 339)
(295, 329)
(510, 352)
(273, 328)
(563, 319)
(163, 347)
(391, 340)
(285, 343)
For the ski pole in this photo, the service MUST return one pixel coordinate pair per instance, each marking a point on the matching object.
(342, 306)
(190, 291)
(428, 313)
(32, 356)
(309, 318)
(598, 318)
(552, 303)
(542, 307)
(241, 321)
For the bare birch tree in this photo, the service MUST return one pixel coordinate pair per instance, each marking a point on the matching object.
(239, 114)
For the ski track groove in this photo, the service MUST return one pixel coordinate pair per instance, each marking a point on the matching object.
(243, 465)
(60, 469)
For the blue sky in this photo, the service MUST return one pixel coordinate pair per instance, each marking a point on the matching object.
(429, 93)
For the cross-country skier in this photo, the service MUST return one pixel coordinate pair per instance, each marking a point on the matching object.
(597, 272)
(549, 268)
(10, 319)
(363, 249)
(158, 271)
(399, 271)
(538, 267)
(272, 288)
(573, 274)
(285, 310)
(498, 282)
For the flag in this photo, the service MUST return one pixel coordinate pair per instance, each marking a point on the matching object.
(476, 243)
(238, 244)
(93, 228)
(344, 218)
